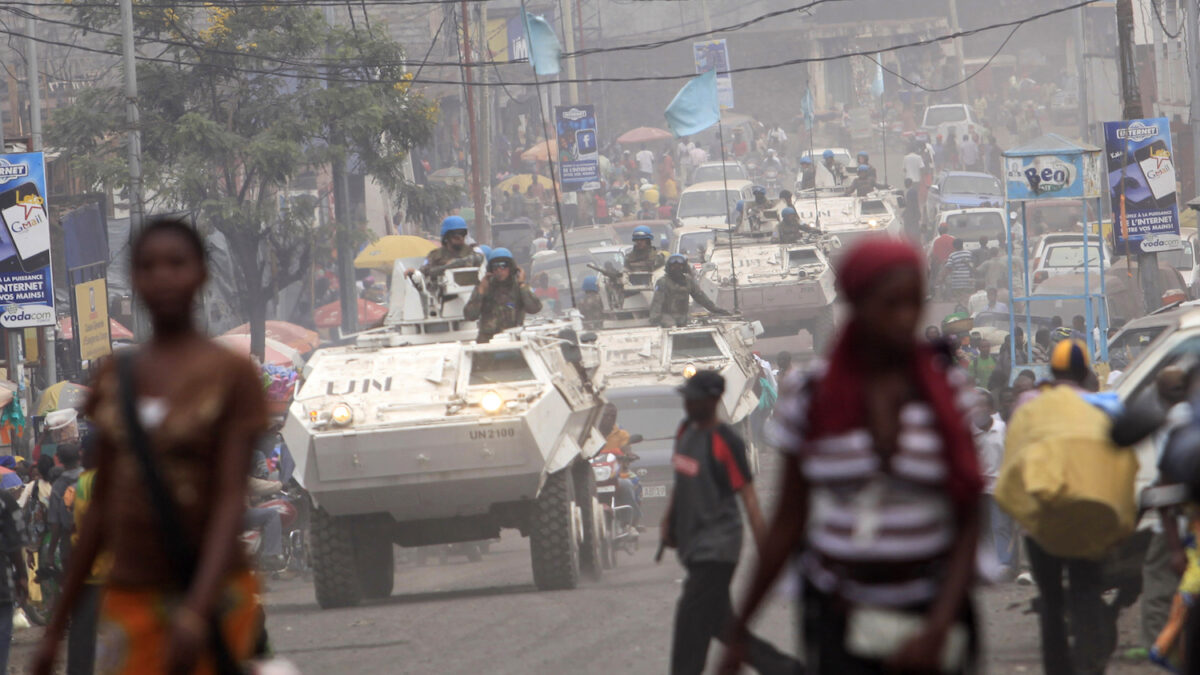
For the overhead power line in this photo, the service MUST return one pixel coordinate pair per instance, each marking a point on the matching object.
(288, 72)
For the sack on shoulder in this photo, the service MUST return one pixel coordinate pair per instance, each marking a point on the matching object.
(1064, 480)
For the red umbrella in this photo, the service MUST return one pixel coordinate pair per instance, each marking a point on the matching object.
(370, 314)
(299, 338)
(274, 353)
(644, 135)
(117, 331)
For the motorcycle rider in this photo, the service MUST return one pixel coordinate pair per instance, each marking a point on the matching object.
(644, 257)
(616, 441)
(454, 251)
(502, 298)
(266, 521)
(673, 294)
(808, 173)
(772, 162)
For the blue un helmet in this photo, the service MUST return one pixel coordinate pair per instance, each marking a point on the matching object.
(453, 224)
(806, 160)
(863, 168)
(643, 232)
(591, 284)
(499, 255)
(828, 154)
(862, 154)
(485, 250)
(758, 190)
(677, 258)
(788, 211)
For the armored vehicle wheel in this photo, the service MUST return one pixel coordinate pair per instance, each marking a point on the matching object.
(591, 557)
(553, 545)
(375, 562)
(821, 329)
(335, 570)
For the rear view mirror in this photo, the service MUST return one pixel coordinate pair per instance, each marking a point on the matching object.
(636, 438)
(570, 346)
(587, 338)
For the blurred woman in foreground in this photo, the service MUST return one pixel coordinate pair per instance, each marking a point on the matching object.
(881, 487)
(189, 410)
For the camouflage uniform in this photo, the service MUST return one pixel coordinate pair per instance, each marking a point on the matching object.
(445, 258)
(503, 306)
(671, 303)
(643, 260)
(592, 307)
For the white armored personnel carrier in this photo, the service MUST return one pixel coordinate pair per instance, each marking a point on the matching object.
(849, 218)
(416, 435)
(785, 286)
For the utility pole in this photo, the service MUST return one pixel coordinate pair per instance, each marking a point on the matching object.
(483, 234)
(13, 337)
(1132, 110)
(1193, 47)
(958, 51)
(342, 217)
(568, 20)
(141, 326)
(34, 82)
(1081, 77)
(473, 141)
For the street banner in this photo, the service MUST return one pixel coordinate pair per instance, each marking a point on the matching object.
(26, 286)
(1050, 176)
(91, 324)
(578, 147)
(714, 55)
(1141, 167)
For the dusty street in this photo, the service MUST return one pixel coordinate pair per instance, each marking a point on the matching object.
(463, 617)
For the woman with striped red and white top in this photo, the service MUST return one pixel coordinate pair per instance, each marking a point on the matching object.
(881, 486)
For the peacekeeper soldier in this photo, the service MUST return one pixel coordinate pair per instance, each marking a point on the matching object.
(454, 251)
(752, 213)
(673, 295)
(790, 228)
(644, 257)
(591, 306)
(502, 299)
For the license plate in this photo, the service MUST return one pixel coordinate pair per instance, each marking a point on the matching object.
(606, 488)
(650, 491)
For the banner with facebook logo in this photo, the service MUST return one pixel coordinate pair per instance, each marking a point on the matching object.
(578, 147)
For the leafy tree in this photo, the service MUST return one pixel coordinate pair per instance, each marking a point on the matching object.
(235, 103)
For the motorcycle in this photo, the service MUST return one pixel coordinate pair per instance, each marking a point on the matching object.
(770, 180)
(619, 531)
(294, 509)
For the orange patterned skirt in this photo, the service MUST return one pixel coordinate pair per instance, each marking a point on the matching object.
(132, 633)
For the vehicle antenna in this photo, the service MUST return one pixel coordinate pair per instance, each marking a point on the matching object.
(730, 226)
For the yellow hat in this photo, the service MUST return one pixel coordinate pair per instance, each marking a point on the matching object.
(1070, 358)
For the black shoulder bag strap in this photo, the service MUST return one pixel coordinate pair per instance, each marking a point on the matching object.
(182, 557)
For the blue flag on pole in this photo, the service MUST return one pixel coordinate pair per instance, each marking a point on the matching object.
(696, 106)
(806, 108)
(544, 50)
(877, 85)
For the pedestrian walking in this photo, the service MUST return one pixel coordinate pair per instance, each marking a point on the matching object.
(999, 534)
(704, 525)
(881, 493)
(14, 583)
(170, 486)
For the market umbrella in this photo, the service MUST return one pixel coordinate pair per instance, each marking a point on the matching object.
(522, 181)
(541, 151)
(299, 338)
(276, 353)
(381, 253)
(9, 478)
(644, 135)
(449, 175)
(62, 395)
(115, 329)
(370, 314)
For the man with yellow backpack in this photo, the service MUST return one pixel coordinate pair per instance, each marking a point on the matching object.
(1071, 488)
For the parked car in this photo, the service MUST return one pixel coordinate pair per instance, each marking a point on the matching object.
(1038, 250)
(1136, 336)
(517, 236)
(712, 172)
(692, 242)
(1065, 258)
(1185, 260)
(971, 224)
(711, 204)
(952, 119)
(953, 190)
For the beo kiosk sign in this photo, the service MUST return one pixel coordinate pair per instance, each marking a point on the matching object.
(26, 286)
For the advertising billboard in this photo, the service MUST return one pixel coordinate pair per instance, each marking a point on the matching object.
(710, 54)
(578, 147)
(91, 325)
(1141, 179)
(26, 285)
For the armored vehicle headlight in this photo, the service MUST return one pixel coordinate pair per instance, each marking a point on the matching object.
(689, 370)
(491, 402)
(341, 414)
(874, 222)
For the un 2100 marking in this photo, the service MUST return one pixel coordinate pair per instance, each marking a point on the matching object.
(489, 434)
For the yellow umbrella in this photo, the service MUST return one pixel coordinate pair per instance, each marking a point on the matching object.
(60, 396)
(384, 251)
(522, 182)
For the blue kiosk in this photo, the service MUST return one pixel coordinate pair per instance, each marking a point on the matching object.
(1053, 167)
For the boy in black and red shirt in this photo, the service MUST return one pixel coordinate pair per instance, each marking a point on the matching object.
(703, 523)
